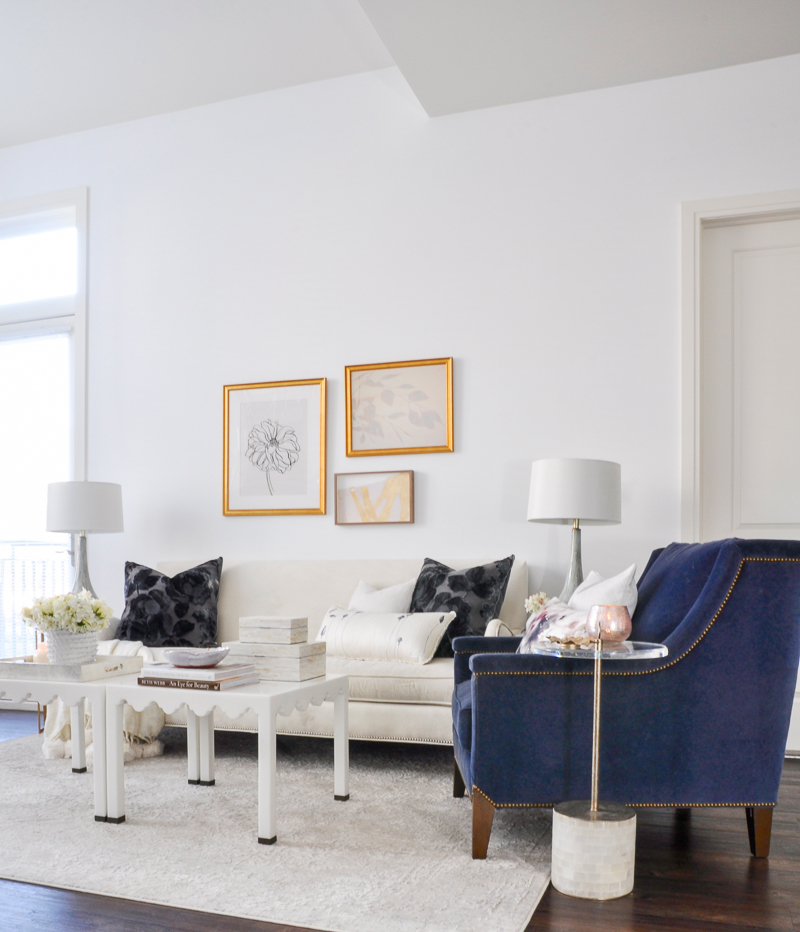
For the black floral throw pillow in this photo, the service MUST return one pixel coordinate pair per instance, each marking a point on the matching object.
(475, 595)
(176, 611)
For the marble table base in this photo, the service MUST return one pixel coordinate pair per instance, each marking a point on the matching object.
(593, 852)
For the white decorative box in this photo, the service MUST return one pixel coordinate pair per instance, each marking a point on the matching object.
(289, 662)
(269, 629)
(23, 668)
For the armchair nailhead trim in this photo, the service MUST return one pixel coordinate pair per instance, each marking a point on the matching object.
(666, 666)
(702, 805)
(476, 789)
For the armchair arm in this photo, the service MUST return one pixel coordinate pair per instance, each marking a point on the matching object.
(466, 647)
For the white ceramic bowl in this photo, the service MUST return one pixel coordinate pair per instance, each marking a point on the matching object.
(195, 656)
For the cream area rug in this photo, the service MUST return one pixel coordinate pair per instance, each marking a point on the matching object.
(394, 858)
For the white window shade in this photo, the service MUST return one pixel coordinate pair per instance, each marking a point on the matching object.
(38, 266)
(42, 257)
(43, 245)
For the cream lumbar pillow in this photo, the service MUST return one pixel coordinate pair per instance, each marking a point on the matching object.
(617, 590)
(393, 599)
(407, 637)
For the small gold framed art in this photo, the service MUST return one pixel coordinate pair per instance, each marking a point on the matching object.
(399, 407)
(274, 448)
(374, 497)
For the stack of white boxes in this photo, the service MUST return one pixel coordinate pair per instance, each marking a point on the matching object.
(279, 648)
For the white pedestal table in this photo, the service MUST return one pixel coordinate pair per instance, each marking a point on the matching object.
(267, 699)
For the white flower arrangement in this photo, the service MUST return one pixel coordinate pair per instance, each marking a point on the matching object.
(77, 612)
(536, 602)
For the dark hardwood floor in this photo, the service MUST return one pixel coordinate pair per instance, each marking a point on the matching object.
(693, 872)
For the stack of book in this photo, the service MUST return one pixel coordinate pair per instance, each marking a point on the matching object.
(212, 679)
(278, 648)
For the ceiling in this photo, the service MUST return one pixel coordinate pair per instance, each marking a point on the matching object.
(71, 65)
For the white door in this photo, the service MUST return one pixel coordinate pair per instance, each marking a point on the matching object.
(748, 400)
(750, 380)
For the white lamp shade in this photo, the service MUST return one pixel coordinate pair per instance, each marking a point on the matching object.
(565, 489)
(84, 506)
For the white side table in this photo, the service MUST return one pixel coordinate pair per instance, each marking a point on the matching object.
(594, 843)
(74, 695)
(267, 699)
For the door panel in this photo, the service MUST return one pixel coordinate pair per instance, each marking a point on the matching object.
(750, 380)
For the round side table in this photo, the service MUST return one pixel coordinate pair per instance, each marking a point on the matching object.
(594, 843)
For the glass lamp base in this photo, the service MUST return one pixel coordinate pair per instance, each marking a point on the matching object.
(82, 580)
(575, 574)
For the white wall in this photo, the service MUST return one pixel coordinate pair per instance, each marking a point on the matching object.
(289, 234)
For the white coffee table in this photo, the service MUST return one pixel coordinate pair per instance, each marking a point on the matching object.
(74, 695)
(267, 699)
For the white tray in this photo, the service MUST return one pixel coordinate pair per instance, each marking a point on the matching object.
(23, 668)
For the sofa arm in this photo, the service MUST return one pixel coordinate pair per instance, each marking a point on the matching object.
(466, 647)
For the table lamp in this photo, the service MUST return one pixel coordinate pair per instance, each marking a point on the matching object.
(568, 491)
(78, 507)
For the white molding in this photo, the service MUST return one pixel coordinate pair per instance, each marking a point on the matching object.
(695, 215)
(43, 309)
(37, 328)
(42, 202)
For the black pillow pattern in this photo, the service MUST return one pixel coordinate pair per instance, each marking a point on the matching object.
(176, 611)
(475, 595)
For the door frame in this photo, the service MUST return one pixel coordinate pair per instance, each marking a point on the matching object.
(695, 215)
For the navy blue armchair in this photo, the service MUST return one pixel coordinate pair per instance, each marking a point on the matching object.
(704, 726)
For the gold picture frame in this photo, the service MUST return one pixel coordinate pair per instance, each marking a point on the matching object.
(384, 497)
(274, 448)
(394, 407)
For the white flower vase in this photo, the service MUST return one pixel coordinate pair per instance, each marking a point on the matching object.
(71, 647)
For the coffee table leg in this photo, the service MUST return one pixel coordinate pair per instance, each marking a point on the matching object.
(267, 761)
(115, 757)
(193, 746)
(341, 748)
(77, 723)
(100, 762)
(206, 747)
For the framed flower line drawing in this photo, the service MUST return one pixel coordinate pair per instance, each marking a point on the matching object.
(274, 448)
(374, 497)
(399, 407)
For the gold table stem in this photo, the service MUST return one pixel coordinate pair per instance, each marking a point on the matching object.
(596, 726)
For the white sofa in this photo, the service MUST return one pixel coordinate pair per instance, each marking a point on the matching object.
(389, 701)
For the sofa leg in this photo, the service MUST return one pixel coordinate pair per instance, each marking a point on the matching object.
(459, 788)
(482, 816)
(759, 829)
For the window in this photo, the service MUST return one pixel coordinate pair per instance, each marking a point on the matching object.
(42, 404)
(38, 265)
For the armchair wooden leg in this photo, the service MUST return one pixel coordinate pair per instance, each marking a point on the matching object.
(759, 829)
(482, 817)
(459, 787)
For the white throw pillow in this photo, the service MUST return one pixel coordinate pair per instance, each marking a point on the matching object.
(393, 599)
(410, 638)
(618, 590)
